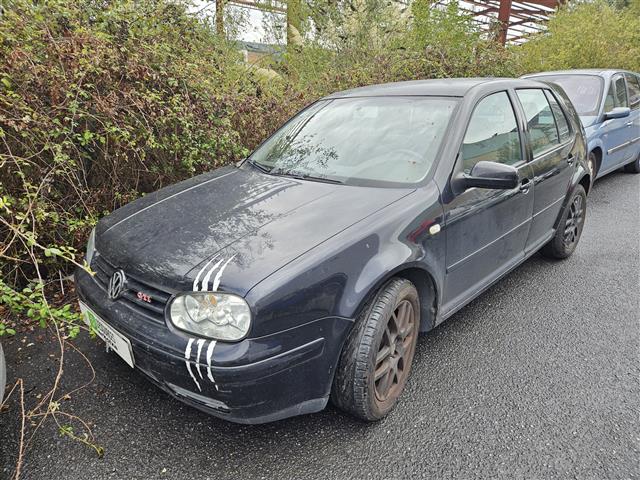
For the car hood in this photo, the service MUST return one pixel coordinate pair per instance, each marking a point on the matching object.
(230, 228)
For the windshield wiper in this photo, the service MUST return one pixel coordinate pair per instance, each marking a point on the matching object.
(303, 176)
(260, 167)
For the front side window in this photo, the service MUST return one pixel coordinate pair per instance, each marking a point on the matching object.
(543, 132)
(492, 134)
(634, 91)
(621, 92)
(379, 141)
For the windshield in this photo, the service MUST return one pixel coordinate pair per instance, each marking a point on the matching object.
(584, 91)
(366, 140)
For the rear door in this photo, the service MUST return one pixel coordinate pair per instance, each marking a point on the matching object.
(486, 229)
(616, 131)
(550, 142)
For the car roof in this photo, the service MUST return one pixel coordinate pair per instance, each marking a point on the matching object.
(445, 87)
(581, 71)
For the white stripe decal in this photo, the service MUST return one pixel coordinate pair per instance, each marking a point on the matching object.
(200, 343)
(187, 356)
(197, 279)
(212, 344)
(216, 282)
(205, 280)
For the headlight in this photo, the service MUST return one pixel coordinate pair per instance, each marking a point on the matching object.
(215, 315)
(91, 246)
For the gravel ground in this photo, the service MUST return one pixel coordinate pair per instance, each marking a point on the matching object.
(537, 378)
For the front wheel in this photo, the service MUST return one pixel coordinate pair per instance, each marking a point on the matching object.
(592, 163)
(569, 230)
(376, 360)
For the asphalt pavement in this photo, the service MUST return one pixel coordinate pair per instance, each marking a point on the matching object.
(538, 378)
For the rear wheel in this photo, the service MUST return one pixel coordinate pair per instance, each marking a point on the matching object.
(377, 357)
(633, 167)
(569, 230)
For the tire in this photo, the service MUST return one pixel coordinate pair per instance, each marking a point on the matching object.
(633, 167)
(592, 163)
(384, 336)
(3, 374)
(570, 227)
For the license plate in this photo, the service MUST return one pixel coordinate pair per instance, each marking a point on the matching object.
(114, 339)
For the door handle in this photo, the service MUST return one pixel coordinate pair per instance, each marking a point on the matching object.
(570, 158)
(525, 185)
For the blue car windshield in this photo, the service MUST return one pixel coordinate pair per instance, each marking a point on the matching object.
(382, 141)
(584, 91)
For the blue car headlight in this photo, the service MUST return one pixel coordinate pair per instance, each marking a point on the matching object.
(215, 315)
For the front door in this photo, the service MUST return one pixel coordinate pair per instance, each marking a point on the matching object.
(633, 122)
(486, 229)
(616, 130)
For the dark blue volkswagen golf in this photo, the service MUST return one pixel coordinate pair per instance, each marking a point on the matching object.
(263, 290)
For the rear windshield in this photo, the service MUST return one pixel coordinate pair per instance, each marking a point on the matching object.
(378, 141)
(584, 91)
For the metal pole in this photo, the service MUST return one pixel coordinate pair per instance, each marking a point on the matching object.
(504, 13)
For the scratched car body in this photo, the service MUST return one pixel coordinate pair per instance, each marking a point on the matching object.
(261, 291)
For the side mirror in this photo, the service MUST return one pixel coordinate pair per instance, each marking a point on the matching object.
(618, 112)
(491, 175)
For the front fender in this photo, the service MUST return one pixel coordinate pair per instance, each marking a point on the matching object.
(338, 277)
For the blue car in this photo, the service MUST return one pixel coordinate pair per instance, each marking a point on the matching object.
(608, 102)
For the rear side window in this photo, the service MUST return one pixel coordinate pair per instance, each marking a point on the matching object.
(561, 119)
(621, 92)
(543, 131)
(492, 134)
(634, 91)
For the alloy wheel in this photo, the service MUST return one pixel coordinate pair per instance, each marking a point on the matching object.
(395, 353)
(574, 222)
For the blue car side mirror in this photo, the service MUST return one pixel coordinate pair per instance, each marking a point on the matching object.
(618, 112)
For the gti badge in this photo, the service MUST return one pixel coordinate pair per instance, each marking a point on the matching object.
(116, 284)
(144, 297)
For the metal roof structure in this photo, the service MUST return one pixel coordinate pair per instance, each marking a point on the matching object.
(512, 20)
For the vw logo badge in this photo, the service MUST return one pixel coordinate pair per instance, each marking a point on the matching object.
(116, 284)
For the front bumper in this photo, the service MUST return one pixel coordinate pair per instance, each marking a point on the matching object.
(256, 380)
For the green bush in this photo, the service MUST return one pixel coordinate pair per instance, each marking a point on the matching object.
(99, 103)
(586, 35)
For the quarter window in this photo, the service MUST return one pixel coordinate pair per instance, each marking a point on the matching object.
(492, 134)
(561, 119)
(610, 99)
(543, 131)
(621, 92)
(634, 91)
